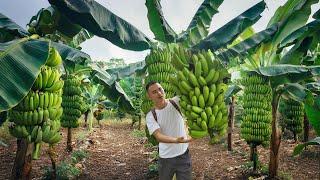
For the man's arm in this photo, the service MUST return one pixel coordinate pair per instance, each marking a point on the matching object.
(168, 139)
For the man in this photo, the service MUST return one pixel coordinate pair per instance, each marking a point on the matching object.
(167, 125)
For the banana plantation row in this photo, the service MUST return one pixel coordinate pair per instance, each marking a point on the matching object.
(48, 82)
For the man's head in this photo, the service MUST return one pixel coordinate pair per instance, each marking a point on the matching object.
(155, 91)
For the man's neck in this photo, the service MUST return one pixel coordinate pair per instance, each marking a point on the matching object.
(161, 104)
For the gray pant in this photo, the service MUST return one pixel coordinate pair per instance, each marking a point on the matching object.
(180, 165)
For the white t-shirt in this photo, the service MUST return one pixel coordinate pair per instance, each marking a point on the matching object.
(171, 124)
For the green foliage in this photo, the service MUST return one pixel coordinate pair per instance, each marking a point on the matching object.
(78, 156)
(158, 25)
(65, 171)
(313, 114)
(299, 148)
(101, 22)
(24, 57)
(138, 133)
(9, 30)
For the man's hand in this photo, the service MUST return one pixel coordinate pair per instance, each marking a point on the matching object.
(183, 140)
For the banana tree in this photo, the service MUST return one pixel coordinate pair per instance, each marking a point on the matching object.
(268, 62)
(30, 54)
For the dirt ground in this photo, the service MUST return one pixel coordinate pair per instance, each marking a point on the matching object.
(115, 152)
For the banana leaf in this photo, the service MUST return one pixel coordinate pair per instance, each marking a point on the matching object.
(128, 70)
(300, 34)
(249, 45)
(243, 36)
(157, 23)
(299, 148)
(20, 65)
(294, 91)
(291, 16)
(101, 22)
(3, 117)
(295, 55)
(112, 90)
(316, 15)
(199, 26)
(281, 74)
(9, 30)
(313, 114)
(231, 91)
(51, 21)
(229, 32)
(313, 87)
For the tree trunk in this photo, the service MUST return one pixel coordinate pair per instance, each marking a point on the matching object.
(275, 140)
(295, 137)
(306, 129)
(53, 157)
(254, 157)
(139, 122)
(230, 122)
(69, 140)
(23, 162)
(86, 118)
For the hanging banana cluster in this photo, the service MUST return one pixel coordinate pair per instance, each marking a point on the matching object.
(37, 117)
(257, 110)
(293, 114)
(202, 96)
(72, 102)
(159, 69)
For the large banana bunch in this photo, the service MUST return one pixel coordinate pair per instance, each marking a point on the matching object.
(257, 110)
(202, 96)
(159, 69)
(292, 114)
(37, 116)
(72, 102)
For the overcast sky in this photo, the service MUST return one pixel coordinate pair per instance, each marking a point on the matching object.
(178, 13)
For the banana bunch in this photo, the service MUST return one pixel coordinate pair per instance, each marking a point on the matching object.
(180, 56)
(257, 111)
(159, 69)
(202, 96)
(72, 102)
(41, 105)
(293, 114)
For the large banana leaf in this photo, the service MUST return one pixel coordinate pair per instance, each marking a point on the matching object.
(313, 114)
(226, 34)
(299, 148)
(294, 91)
(157, 23)
(112, 90)
(9, 30)
(297, 52)
(199, 26)
(249, 45)
(284, 73)
(128, 70)
(301, 33)
(19, 66)
(51, 21)
(291, 16)
(103, 23)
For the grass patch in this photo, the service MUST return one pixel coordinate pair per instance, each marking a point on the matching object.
(138, 133)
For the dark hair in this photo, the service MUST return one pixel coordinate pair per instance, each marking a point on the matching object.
(149, 84)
